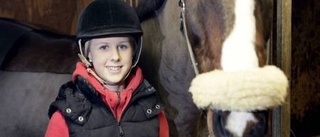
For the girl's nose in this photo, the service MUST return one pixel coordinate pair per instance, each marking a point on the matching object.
(115, 55)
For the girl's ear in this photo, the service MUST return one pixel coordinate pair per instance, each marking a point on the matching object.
(87, 51)
(86, 48)
(90, 57)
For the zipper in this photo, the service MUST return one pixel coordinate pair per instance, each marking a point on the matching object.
(134, 97)
(120, 130)
(99, 101)
(118, 103)
(121, 133)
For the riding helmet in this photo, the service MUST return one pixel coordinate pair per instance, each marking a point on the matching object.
(110, 17)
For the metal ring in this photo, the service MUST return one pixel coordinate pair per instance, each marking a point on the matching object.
(68, 110)
(149, 111)
(80, 118)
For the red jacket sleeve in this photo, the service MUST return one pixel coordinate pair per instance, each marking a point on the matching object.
(163, 124)
(57, 126)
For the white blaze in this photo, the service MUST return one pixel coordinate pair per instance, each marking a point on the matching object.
(237, 122)
(238, 51)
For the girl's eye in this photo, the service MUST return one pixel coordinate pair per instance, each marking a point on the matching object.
(103, 47)
(123, 47)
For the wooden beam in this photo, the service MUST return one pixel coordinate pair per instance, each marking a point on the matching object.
(281, 115)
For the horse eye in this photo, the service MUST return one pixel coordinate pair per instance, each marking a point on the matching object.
(195, 39)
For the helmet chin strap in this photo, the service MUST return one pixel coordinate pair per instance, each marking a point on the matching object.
(89, 65)
(92, 72)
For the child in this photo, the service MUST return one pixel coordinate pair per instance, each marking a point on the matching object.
(107, 95)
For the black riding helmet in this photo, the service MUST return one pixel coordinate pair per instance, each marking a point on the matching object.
(110, 17)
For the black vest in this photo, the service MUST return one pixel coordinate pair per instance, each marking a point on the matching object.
(88, 116)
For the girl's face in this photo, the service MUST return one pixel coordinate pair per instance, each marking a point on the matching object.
(111, 57)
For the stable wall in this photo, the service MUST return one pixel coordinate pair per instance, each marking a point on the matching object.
(56, 15)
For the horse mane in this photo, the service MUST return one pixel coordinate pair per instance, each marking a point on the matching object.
(36, 50)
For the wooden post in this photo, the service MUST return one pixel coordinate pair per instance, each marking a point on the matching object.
(282, 58)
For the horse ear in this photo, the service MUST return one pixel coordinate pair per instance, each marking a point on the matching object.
(146, 8)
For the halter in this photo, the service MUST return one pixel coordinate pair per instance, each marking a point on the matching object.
(182, 6)
(185, 33)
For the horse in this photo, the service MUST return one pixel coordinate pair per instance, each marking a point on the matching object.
(223, 66)
(34, 63)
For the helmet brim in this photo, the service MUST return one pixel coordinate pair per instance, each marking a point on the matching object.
(101, 32)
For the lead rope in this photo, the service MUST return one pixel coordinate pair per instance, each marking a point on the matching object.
(183, 20)
(193, 60)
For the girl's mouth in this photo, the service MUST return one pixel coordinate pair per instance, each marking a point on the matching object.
(114, 68)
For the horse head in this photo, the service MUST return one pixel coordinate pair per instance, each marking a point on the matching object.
(227, 42)
(228, 35)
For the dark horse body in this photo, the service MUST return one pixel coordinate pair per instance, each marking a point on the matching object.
(34, 64)
(40, 62)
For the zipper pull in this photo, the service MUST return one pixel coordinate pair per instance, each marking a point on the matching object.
(120, 130)
(118, 94)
